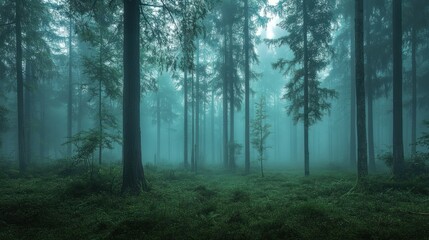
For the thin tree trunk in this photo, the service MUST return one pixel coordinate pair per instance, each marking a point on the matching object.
(70, 92)
(133, 173)
(362, 165)
(231, 102)
(100, 116)
(197, 110)
(246, 88)
(398, 145)
(22, 156)
(225, 103)
(414, 91)
(369, 88)
(158, 128)
(352, 149)
(42, 130)
(193, 123)
(28, 108)
(185, 127)
(306, 97)
(212, 119)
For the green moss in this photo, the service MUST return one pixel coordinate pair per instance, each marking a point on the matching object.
(48, 204)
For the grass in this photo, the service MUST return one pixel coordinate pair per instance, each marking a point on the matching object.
(50, 203)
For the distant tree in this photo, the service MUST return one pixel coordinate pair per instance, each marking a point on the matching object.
(415, 26)
(308, 24)
(362, 165)
(20, 89)
(398, 145)
(260, 131)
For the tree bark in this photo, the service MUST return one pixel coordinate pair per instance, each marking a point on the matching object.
(133, 173)
(306, 98)
(22, 156)
(362, 165)
(398, 145)
(246, 89)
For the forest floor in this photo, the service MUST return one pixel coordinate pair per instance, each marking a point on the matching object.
(54, 202)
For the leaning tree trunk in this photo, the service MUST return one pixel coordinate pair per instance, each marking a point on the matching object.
(398, 145)
(133, 173)
(362, 165)
(306, 97)
(22, 156)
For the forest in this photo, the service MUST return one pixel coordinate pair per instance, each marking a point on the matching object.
(214, 119)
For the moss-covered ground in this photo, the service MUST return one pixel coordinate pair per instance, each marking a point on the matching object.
(53, 203)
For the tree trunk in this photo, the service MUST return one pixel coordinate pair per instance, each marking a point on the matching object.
(158, 128)
(414, 91)
(306, 98)
(197, 110)
(185, 122)
(42, 130)
(133, 173)
(352, 95)
(70, 92)
(246, 89)
(100, 114)
(398, 145)
(225, 104)
(362, 165)
(22, 156)
(28, 108)
(193, 123)
(369, 88)
(212, 135)
(231, 103)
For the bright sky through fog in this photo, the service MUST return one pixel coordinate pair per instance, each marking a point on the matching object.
(273, 21)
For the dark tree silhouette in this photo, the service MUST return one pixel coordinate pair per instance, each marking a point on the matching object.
(398, 145)
(362, 165)
(133, 173)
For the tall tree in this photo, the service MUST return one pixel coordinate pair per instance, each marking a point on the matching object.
(398, 145)
(20, 89)
(70, 90)
(133, 173)
(369, 84)
(308, 24)
(362, 165)
(246, 88)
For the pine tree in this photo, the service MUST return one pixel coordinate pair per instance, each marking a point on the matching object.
(308, 24)
(260, 131)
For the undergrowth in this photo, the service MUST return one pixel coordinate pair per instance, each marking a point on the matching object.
(54, 202)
